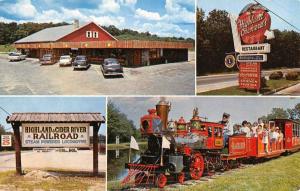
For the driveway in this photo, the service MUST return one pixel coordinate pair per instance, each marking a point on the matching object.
(29, 78)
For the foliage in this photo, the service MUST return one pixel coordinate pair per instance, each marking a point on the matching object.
(291, 76)
(276, 75)
(11, 32)
(2, 129)
(276, 113)
(119, 125)
(214, 40)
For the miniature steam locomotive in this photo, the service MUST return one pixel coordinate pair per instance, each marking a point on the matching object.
(197, 147)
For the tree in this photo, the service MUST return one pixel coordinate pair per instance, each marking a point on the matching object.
(119, 125)
(277, 113)
(2, 129)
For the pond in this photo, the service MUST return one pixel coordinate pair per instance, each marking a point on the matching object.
(116, 160)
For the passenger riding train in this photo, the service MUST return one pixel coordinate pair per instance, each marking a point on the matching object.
(197, 147)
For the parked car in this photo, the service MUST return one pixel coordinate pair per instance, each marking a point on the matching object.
(16, 56)
(111, 67)
(80, 62)
(47, 59)
(65, 60)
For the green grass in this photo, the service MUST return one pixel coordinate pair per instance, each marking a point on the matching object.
(282, 174)
(6, 48)
(122, 145)
(235, 90)
(9, 180)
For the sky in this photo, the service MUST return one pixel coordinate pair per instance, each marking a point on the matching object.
(52, 104)
(161, 17)
(240, 108)
(287, 9)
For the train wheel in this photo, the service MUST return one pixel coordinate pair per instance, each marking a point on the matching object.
(138, 179)
(181, 177)
(161, 180)
(196, 166)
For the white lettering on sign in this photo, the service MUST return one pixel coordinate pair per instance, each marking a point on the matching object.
(252, 58)
(55, 135)
(256, 48)
(6, 141)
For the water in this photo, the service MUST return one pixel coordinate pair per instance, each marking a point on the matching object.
(116, 162)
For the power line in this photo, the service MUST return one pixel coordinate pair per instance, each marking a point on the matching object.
(5, 110)
(278, 16)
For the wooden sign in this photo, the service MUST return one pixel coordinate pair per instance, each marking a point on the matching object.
(6, 141)
(55, 135)
(249, 75)
(252, 25)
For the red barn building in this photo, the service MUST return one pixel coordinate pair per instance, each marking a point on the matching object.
(97, 44)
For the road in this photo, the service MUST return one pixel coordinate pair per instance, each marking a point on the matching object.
(29, 78)
(292, 91)
(219, 81)
(73, 161)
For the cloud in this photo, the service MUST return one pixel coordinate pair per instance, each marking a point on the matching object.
(22, 8)
(163, 29)
(140, 13)
(177, 13)
(111, 6)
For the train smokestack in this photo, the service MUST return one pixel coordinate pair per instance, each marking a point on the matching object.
(162, 109)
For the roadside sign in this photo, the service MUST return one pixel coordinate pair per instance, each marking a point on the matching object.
(6, 141)
(249, 76)
(252, 58)
(230, 61)
(256, 48)
(55, 135)
(252, 24)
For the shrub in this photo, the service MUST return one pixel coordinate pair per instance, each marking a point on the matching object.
(263, 82)
(276, 75)
(291, 76)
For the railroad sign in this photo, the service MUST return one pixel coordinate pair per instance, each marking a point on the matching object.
(256, 48)
(249, 76)
(6, 141)
(253, 23)
(55, 135)
(252, 58)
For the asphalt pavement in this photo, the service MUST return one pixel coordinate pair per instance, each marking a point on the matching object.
(29, 78)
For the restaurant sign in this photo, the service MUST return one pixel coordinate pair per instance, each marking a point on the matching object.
(249, 76)
(55, 135)
(252, 24)
(256, 48)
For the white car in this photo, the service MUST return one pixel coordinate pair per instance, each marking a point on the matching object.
(16, 56)
(65, 60)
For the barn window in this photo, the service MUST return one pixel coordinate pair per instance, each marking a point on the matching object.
(95, 34)
(88, 34)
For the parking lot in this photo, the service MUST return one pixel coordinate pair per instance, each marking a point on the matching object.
(27, 77)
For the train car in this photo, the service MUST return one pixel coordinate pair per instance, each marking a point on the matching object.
(291, 131)
(181, 150)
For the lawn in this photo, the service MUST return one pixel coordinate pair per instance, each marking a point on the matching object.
(235, 90)
(6, 48)
(9, 181)
(122, 145)
(282, 174)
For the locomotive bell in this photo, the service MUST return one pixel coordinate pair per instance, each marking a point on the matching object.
(162, 109)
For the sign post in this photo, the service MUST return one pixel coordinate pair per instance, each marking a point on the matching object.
(249, 32)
